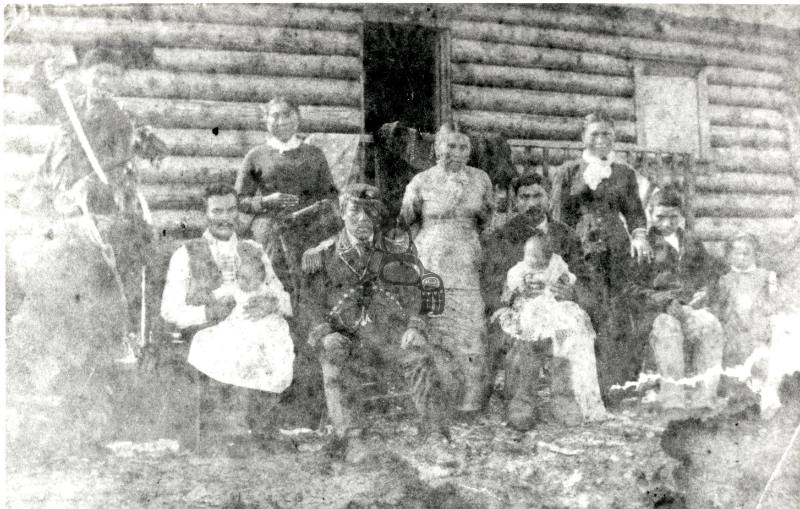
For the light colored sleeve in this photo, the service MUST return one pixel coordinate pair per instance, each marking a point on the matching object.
(276, 288)
(173, 301)
(514, 282)
(411, 208)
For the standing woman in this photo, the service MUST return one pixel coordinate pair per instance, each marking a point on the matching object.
(450, 204)
(605, 191)
(284, 173)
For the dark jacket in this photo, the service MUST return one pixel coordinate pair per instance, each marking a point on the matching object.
(618, 194)
(676, 275)
(335, 283)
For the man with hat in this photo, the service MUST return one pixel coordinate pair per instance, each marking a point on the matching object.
(362, 322)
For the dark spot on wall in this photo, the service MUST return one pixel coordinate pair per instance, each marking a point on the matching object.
(77, 297)
(215, 131)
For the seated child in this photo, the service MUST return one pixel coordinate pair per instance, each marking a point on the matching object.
(746, 298)
(255, 354)
(535, 315)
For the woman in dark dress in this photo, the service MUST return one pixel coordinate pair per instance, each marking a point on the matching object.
(281, 175)
(599, 197)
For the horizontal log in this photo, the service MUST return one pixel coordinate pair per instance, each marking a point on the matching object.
(203, 142)
(26, 54)
(746, 96)
(217, 87)
(626, 47)
(117, 32)
(722, 228)
(541, 79)
(632, 23)
(723, 136)
(743, 205)
(751, 160)
(179, 223)
(520, 55)
(743, 77)
(190, 170)
(519, 125)
(528, 156)
(315, 18)
(745, 182)
(545, 103)
(236, 115)
(228, 87)
(720, 114)
(252, 62)
(174, 196)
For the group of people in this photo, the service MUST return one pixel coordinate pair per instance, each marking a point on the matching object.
(574, 282)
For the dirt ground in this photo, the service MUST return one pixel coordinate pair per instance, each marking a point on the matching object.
(636, 459)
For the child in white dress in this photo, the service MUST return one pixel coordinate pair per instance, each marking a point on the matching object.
(255, 354)
(535, 315)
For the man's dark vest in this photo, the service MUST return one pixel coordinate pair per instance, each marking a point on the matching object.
(205, 275)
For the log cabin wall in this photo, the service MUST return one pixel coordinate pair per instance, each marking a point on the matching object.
(531, 72)
(207, 67)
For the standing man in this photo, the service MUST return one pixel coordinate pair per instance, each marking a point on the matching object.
(108, 128)
(358, 322)
(203, 265)
(524, 361)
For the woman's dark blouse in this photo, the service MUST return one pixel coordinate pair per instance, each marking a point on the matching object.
(302, 171)
(618, 194)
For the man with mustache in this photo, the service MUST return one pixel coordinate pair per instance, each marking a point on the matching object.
(363, 327)
(200, 267)
(524, 360)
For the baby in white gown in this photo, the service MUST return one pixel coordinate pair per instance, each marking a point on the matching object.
(534, 313)
(256, 354)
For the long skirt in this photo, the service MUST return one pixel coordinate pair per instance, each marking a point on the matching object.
(461, 331)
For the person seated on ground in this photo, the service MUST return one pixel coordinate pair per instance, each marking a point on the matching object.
(284, 173)
(356, 321)
(255, 354)
(503, 247)
(204, 265)
(534, 315)
(674, 292)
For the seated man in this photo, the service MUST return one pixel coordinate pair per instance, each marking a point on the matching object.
(524, 361)
(193, 300)
(356, 319)
(674, 287)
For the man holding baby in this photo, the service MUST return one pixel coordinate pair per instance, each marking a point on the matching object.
(223, 290)
(576, 396)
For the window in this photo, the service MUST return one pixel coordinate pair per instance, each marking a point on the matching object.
(670, 107)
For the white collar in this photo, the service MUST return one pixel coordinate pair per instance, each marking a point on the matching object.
(749, 269)
(596, 169)
(233, 241)
(355, 242)
(673, 241)
(274, 143)
(593, 159)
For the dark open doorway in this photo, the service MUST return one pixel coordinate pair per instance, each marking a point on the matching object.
(400, 75)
